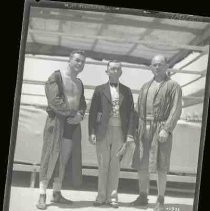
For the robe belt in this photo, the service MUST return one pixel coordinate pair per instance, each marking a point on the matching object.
(150, 120)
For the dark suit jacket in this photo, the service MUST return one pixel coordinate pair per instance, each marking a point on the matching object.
(101, 107)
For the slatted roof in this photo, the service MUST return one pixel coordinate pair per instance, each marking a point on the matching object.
(128, 38)
(131, 39)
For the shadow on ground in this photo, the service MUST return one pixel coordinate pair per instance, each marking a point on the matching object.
(76, 205)
(81, 204)
(129, 186)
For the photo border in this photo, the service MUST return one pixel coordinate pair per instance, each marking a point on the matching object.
(98, 8)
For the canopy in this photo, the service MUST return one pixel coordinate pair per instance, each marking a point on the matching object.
(53, 33)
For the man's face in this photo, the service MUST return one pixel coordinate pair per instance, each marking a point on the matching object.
(159, 65)
(77, 62)
(114, 72)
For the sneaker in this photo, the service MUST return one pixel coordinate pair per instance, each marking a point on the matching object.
(42, 202)
(58, 198)
(98, 203)
(160, 204)
(141, 201)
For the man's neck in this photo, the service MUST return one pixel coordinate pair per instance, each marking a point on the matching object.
(70, 74)
(160, 78)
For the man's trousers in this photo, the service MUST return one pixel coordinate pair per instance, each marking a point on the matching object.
(109, 164)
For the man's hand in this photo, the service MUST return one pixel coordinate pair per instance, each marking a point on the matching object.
(130, 142)
(128, 156)
(131, 145)
(163, 136)
(122, 150)
(92, 139)
(76, 119)
(129, 139)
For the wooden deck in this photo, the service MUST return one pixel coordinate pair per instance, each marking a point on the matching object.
(25, 199)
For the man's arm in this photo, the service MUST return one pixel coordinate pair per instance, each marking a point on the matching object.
(82, 105)
(131, 124)
(93, 113)
(137, 110)
(176, 109)
(54, 99)
(131, 128)
(137, 119)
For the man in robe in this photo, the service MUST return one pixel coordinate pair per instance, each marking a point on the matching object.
(62, 133)
(158, 108)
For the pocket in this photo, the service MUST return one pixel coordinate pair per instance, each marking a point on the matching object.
(50, 129)
(50, 125)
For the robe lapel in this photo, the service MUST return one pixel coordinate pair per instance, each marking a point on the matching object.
(121, 95)
(159, 88)
(61, 88)
(144, 96)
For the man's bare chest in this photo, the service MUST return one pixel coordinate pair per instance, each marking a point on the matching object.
(72, 88)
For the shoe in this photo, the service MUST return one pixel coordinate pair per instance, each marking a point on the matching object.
(98, 204)
(58, 198)
(114, 204)
(159, 207)
(160, 204)
(142, 200)
(42, 202)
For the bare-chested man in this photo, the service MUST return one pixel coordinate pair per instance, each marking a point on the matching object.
(62, 133)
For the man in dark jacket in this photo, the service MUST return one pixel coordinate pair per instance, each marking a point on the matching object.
(111, 129)
(62, 132)
(159, 108)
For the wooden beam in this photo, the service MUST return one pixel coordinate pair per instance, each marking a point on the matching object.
(100, 31)
(198, 95)
(120, 40)
(185, 98)
(142, 36)
(123, 174)
(42, 49)
(60, 29)
(133, 175)
(195, 98)
(192, 103)
(186, 84)
(202, 39)
(135, 66)
(32, 36)
(95, 18)
(191, 61)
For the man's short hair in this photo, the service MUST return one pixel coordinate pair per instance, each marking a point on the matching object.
(81, 52)
(113, 61)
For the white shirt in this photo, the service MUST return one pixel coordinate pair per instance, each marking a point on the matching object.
(115, 100)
